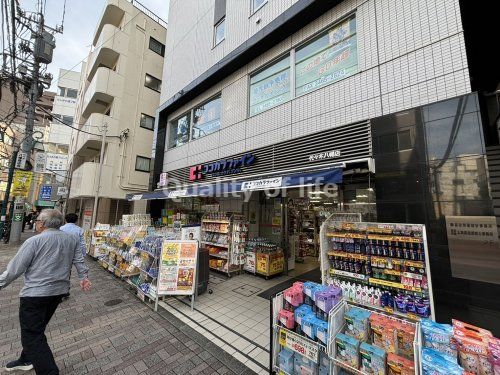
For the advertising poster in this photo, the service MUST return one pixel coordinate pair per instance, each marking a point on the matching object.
(87, 220)
(191, 233)
(177, 271)
(299, 344)
(21, 183)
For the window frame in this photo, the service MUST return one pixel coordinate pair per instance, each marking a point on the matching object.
(254, 10)
(162, 46)
(147, 116)
(191, 125)
(170, 124)
(145, 80)
(72, 97)
(222, 21)
(61, 91)
(143, 157)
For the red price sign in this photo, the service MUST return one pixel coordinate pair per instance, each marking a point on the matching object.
(299, 344)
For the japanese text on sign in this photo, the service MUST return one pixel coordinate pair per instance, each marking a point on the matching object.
(325, 155)
(266, 183)
(299, 344)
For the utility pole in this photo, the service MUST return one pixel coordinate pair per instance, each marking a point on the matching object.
(98, 185)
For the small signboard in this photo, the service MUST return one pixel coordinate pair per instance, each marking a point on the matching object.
(21, 160)
(45, 192)
(299, 344)
(266, 183)
(177, 268)
(40, 159)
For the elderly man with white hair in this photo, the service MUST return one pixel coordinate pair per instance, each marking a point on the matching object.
(45, 260)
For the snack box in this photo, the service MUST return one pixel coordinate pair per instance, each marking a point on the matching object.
(397, 365)
(372, 359)
(285, 359)
(347, 349)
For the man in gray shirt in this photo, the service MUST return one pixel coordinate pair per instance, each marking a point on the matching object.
(45, 260)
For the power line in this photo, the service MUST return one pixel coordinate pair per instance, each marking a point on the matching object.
(72, 127)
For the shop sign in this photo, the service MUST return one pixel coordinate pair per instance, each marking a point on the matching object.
(22, 183)
(221, 167)
(177, 193)
(39, 166)
(163, 179)
(299, 344)
(249, 262)
(136, 197)
(46, 192)
(21, 160)
(474, 248)
(177, 270)
(267, 183)
(325, 155)
(62, 190)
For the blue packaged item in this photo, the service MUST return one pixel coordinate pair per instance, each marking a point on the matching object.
(357, 323)
(299, 313)
(438, 337)
(373, 359)
(322, 331)
(285, 358)
(434, 362)
(304, 366)
(347, 349)
(308, 292)
(309, 326)
(324, 363)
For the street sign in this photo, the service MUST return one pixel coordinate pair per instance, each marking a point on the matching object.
(18, 217)
(21, 160)
(40, 159)
(46, 192)
(62, 190)
(21, 183)
(56, 162)
(163, 179)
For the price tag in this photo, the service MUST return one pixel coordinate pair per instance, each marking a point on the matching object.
(299, 344)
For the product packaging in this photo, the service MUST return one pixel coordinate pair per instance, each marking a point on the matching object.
(309, 326)
(286, 319)
(357, 323)
(405, 336)
(299, 313)
(285, 358)
(438, 337)
(434, 362)
(322, 331)
(372, 359)
(472, 344)
(304, 366)
(347, 349)
(397, 365)
(324, 363)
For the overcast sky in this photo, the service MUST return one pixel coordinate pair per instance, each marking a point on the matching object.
(79, 25)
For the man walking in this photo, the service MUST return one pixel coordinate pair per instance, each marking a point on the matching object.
(71, 228)
(45, 260)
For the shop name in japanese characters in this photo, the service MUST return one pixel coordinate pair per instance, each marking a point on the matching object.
(325, 155)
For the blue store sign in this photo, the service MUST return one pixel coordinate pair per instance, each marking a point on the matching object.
(46, 192)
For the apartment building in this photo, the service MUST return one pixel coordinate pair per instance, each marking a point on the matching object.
(387, 91)
(118, 95)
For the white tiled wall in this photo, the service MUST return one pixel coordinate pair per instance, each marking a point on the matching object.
(410, 53)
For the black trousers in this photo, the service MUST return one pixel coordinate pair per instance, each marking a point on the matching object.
(34, 315)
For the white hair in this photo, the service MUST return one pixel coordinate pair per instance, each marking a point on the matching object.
(51, 218)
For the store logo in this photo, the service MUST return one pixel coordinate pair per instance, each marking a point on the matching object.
(221, 167)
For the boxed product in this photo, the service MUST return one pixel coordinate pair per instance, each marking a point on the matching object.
(324, 363)
(397, 365)
(293, 298)
(357, 323)
(372, 359)
(438, 337)
(309, 326)
(285, 359)
(309, 287)
(472, 344)
(434, 362)
(322, 331)
(286, 319)
(405, 337)
(299, 313)
(347, 349)
(304, 366)
(384, 332)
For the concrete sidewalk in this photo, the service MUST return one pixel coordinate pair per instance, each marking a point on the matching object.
(109, 331)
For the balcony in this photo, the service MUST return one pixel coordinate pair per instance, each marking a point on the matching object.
(104, 87)
(111, 15)
(84, 179)
(89, 145)
(112, 43)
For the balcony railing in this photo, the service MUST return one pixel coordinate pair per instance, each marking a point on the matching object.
(148, 12)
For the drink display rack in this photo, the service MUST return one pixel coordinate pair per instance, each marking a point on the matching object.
(308, 235)
(224, 235)
(379, 265)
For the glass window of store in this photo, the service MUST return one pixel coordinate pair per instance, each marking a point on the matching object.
(328, 58)
(179, 131)
(206, 118)
(270, 87)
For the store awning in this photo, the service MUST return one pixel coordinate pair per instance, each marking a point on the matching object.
(217, 189)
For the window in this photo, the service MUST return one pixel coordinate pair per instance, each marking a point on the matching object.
(156, 46)
(206, 118)
(404, 140)
(328, 58)
(67, 120)
(147, 122)
(61, 91)
(220, 31)
(71, 93)
(179, 131)
(142, 164)
(270, 87)
(152, 83)
(257, 4)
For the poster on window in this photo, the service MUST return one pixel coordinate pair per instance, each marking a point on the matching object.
(191, 233)
(327, 59)
(177, 271)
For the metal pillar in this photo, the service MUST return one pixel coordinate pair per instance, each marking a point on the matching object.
(98, 185)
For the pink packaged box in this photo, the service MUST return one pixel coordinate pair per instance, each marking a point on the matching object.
(286, 319)
(294, 296)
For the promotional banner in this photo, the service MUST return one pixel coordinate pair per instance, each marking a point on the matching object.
(177, 269)
(21, 183)
(39, 164)
(191, 233)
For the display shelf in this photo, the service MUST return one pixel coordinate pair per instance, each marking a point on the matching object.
(147, 252)
(346, 367)
(400, 261)
(388, 310)
(215, 221)
(392, 284)
(215, 231)
(348, 255)
(347, 235)
(224, 270)
(218, 256)
(214, 244)
(147, 273)
(352, 275)
(408, 239)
